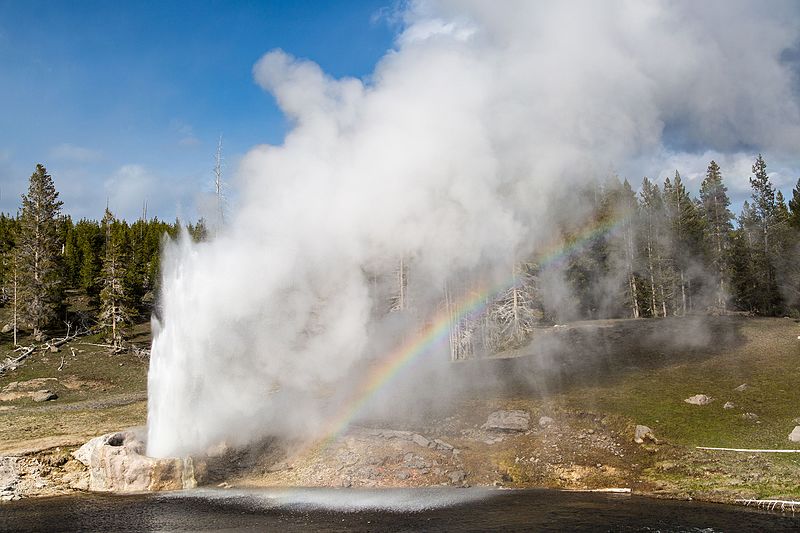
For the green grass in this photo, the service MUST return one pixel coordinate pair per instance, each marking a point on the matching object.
(768, 362)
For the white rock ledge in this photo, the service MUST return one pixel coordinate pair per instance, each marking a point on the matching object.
(117, 463)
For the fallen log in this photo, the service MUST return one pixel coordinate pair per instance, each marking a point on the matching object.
(745, 450)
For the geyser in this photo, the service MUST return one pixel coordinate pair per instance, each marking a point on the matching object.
(446, 160)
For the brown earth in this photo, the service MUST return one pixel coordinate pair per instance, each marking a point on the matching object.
(611, 376)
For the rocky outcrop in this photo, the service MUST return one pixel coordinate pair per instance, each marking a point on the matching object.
(44, 396)
(508, 421)
(117, 463)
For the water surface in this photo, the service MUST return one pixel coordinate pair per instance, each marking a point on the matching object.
(434, 509)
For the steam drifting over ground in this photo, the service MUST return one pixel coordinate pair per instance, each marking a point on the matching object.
(448, 157)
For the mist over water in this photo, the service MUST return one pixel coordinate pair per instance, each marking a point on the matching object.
(448, 157)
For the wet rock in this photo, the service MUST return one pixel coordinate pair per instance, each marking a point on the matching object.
(741, 388)
(699, 399)
(545, 421)
(509, 421)
(116, 464)
(728, 405)
(457, 477)
(44, 396)
(643, 433)
(794, 436)
(420, 440)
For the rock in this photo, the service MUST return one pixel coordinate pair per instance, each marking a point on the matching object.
(457, 476)
(44, 396)
(442, 445)
(116, 464)
(750, 416)
(403, 474)
(794, 436)
(741, 388)
(9, 477)
(6, 328)
(54, 349)
(511, 421)
(643, 433)
(699, 399)
(420, 440)
(728, 405)
(545, 421)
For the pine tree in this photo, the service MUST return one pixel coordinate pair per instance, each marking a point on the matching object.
(115, 313)
(717, 229)
(685, 241)
(39, 249)
(794, 207)
(653, 241)
(764, 213)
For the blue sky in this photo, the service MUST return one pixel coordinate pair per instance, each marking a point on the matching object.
(114, 97)
(124, 101)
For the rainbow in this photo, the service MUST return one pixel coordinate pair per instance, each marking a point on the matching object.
(436, 333)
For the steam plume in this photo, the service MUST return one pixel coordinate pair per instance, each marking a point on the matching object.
(449, 157)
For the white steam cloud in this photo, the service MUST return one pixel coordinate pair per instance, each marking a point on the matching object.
(448, 156)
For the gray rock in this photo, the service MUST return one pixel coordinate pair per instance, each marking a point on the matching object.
(116, 464)
(699, 399)
(457, 476)
(6, 328)
(741, 388)
(794, 436)
(420, 440)
(545, 421)
(642, 433)
(510, 421)
(403, 474)
(44, 396)
(442, 445)
(728, 405)
(415, 461)
(9, 477)
(750, 416)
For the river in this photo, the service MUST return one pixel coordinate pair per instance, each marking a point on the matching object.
(435, 509)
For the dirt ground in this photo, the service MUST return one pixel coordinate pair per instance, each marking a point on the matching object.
(609, 377)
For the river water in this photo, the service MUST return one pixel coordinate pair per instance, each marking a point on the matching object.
(327, 510)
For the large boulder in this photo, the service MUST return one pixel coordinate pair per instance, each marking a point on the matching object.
(117, 463)
(794, 436)
(510, 421)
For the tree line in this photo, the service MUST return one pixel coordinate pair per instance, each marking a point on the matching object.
(662, 252)
(45, 255)
(667, 253)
